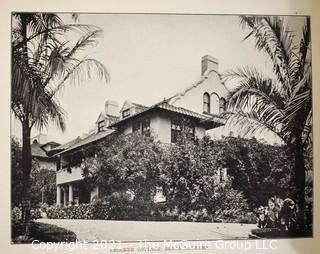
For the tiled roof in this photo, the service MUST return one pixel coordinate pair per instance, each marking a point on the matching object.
(89, 139)
(51, 143)
(67, 145)
(181, 110)
(37, 151)
(169, 107)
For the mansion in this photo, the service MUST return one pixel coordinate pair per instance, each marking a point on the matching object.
(199, 106)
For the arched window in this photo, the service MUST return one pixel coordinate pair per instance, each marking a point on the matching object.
(222, 105)
(206, 103)
(214, 104)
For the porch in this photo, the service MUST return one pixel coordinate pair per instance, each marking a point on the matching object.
(74, 193)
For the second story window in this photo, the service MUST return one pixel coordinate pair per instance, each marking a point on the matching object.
(125, 113)
(101, 125)
(206, 103)
(176, 128)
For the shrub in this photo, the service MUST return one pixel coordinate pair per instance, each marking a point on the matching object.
(120, 206)
(98, 210)
(35, 214)
(73, 212)
(16, 214)
(248, 218)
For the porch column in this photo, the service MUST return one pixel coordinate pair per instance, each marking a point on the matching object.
(58, 195)
(64, 196)
(70, 194)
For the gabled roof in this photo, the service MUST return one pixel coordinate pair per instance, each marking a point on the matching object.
(37, 151)
(51, 143)
(66, 145)
(102, 116)
(129, 104)
(180, 94)
(89, 139)
(164, 105)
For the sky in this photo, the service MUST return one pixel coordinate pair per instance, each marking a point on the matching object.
(150, 57)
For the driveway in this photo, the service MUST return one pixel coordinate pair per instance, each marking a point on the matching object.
(91, 230)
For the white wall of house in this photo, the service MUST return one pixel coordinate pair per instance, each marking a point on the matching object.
(210, 82)
(161, 128)
(192, 99)
(63, 176)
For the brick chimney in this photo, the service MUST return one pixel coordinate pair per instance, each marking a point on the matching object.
(208, 64)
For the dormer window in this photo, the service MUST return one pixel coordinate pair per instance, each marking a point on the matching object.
(125, 113)
(206, 103)
(101, 125)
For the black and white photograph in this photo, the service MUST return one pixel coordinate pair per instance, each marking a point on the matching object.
(158, 126)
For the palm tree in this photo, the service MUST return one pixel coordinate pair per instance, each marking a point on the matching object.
(282, 104)
(43, 62)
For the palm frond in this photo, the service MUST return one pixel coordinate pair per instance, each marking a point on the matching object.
(304, 50)
(250, 81)
(274, 38)
(86, 40)
(248, 123)
(307, 132)
(297, 111)
(83, 70)
(39, 58)
(46, 111)
(79, 28)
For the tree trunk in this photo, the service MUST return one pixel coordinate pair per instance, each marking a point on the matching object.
(26, 170)
(300, 182)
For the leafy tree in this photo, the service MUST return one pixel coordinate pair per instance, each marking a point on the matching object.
(43, 185)
(42, 180)
(282, 105)
(192, 179)
(127, 164)
(258, 169)
(43, 62)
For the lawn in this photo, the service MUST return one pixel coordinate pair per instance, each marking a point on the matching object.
(43, 232)
(92, 230)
